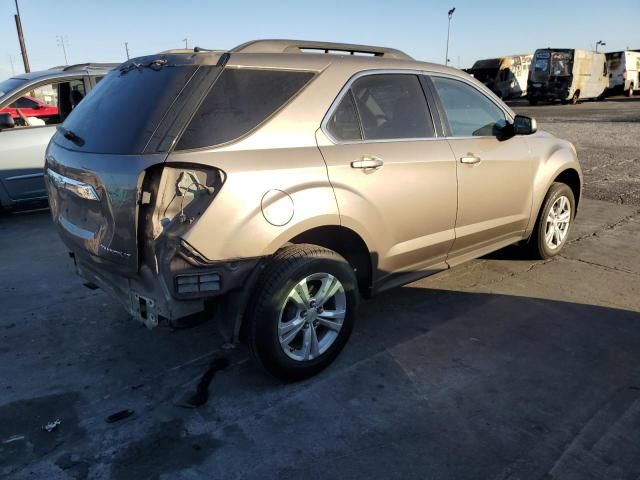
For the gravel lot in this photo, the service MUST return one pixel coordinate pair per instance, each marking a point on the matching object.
(607, 138)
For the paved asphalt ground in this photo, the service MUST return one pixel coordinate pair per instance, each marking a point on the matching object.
(499, 369)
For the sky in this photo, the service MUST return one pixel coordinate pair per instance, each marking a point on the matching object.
(97, 30)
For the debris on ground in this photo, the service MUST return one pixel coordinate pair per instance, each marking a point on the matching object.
(51, 426)
(201, 395)
(121, 415)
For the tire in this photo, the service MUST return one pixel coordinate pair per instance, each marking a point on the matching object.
(291, 269)
(575, 98)
(539, 244)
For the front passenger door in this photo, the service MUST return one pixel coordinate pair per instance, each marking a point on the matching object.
(494, 174)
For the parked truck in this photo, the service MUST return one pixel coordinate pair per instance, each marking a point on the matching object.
(567, 74)
(624, 71)
(505, 76)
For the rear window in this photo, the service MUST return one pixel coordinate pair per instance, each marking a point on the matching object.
(120, 114)
(240, 100)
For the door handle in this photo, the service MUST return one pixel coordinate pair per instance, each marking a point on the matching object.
(367, 162)
(470, 158)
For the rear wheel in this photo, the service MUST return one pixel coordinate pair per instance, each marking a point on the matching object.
(304, 311)
(554, 222)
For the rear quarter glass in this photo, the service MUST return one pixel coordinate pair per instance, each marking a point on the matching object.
(239, 101)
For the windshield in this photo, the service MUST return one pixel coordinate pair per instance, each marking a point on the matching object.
(555, 64)
(9, 85)
(122, 112)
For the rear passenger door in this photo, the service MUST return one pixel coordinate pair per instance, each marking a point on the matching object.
(494, 172)
(394, 180)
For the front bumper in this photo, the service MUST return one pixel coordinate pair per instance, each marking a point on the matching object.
(550, 93)
(152, 297)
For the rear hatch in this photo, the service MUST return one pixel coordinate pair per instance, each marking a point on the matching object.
(96, 162)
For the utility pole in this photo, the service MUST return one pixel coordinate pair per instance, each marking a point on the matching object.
(446, 56)
(599, 42)
(23, 47)
(186, 42)
(126, 48)
(62, 40)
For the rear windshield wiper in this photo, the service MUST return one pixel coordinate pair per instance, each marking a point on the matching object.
(69, 135)
(156, 64)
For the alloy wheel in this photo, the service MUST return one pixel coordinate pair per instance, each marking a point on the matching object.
(557, 224)
(312, 316)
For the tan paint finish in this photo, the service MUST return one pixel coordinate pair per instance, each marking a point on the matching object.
(494, 196)
(405, 212)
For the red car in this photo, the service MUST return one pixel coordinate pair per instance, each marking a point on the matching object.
(30, 107)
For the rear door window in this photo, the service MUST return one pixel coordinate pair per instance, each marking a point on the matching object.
(469, 113)
(392, 106)
(239, 101)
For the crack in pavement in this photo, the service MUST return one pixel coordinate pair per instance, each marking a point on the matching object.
(606, 228)
(605, 267)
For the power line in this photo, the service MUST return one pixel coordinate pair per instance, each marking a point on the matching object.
(63, 42)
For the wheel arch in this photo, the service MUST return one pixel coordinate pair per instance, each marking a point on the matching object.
(347, 243)
(570, 177)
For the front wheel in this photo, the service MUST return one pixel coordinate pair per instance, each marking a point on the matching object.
(554, 222)
(304, 311)
(575, 98)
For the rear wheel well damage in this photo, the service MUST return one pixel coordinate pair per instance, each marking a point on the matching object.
(347, 243)
(571, 178)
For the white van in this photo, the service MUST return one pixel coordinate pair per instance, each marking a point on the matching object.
(505, 76)
(624, 71)
(566, 74)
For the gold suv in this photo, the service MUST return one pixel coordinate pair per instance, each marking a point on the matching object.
(274, 184)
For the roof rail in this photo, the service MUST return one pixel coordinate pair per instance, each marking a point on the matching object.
(303, 46)
(190, 50)
(87, 66)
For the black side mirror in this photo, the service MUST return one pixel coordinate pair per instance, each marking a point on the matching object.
(6, 121)
(524, 125)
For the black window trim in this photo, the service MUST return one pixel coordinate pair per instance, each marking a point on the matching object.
(346, 89)
(440, 109)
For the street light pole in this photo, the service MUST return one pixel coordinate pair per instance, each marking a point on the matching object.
(599, 42)
(23, 47)
(446, 56)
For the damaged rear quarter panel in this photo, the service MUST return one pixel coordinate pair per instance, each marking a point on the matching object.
(234, 225)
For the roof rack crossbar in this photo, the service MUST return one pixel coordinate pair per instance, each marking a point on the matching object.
(300, 46)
